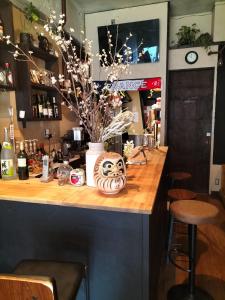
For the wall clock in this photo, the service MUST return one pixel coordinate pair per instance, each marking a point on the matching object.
(191, 57)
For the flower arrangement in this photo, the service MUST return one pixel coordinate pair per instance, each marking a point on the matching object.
(97, 107)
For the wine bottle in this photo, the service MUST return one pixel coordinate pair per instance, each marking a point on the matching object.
(9, 76)
(8, 169)
(2, 76)
(40, 106)
(55, 108)
(45, 108)
(1, 29)
(22, 162)
(50, 109)
(34, 106)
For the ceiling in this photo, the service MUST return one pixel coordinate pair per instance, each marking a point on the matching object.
(177, 7)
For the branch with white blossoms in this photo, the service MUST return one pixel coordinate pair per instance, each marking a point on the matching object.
(93, 104)
(119, 124)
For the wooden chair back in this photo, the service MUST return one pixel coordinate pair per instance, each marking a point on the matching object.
(18, 287)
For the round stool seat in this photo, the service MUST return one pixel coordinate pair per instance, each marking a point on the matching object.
(181, 194)
(180, 175)
(193, 211)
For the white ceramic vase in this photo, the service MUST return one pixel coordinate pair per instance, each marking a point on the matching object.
(95, 149)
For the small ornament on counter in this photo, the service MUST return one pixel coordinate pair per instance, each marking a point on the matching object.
(46, 171)
(110, 173)
(77, 177)
(63, 172)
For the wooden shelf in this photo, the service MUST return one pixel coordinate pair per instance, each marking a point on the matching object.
(7, 88)
(42, 54)
(42, 87)
(43, 119)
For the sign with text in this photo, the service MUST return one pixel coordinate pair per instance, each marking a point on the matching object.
(136, 84)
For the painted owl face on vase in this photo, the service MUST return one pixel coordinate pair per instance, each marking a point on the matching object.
(110, 173)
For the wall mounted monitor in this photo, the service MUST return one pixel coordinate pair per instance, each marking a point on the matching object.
(143, 40)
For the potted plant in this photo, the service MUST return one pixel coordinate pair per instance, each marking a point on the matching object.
(187, 35)
(31, 15)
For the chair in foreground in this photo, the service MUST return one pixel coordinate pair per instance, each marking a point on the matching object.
(43, 280)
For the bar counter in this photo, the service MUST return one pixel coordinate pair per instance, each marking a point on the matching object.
(138, 196)
(120, 237)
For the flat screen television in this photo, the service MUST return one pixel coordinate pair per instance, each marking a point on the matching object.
(143, 40)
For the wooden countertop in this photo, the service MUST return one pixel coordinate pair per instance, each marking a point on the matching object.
(137, 197)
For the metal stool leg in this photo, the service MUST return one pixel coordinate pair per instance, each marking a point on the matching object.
(170, 235)
(190, 291)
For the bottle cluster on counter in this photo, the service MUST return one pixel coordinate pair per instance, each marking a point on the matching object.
(44, 107)
(28, 157)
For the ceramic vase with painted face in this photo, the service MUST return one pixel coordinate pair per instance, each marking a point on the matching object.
(110, 173)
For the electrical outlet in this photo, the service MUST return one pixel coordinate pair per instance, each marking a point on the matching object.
(217, 181)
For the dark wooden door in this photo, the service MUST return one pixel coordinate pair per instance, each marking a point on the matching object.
(189, 124)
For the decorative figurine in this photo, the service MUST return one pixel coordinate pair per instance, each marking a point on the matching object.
(110, 173)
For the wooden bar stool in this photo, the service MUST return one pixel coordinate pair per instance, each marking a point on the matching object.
(193, 213)
(175, 195)
(181, 194)
(42, 280)
(179, 177)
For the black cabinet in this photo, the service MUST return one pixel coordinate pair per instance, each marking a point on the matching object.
(28, 88)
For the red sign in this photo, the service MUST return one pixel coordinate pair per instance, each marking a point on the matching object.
(150, 83)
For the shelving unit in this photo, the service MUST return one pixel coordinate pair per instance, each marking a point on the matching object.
(5, 55)
(26, 88)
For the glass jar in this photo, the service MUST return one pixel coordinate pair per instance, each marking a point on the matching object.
(63, 173)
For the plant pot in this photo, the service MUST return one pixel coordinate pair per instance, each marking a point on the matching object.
(95, 149)
(25, 38)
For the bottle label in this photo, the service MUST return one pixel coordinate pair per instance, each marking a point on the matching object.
(45, 112)
(7, 146)
(7, 167)
(40, 108)
(50, 113)
(22, 162)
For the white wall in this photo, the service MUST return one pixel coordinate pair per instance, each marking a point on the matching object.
(177, 62)
(203, 22)
(219, 22)
(147, 70)
(75, 18)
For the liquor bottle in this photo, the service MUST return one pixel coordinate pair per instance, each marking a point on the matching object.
(40, 107)
(8, 169)
(55, 108)
(50, 108)
(1, 29)
(45, 108)
(22, 162)
(11, 129)
(34, 106)
(9, 76)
